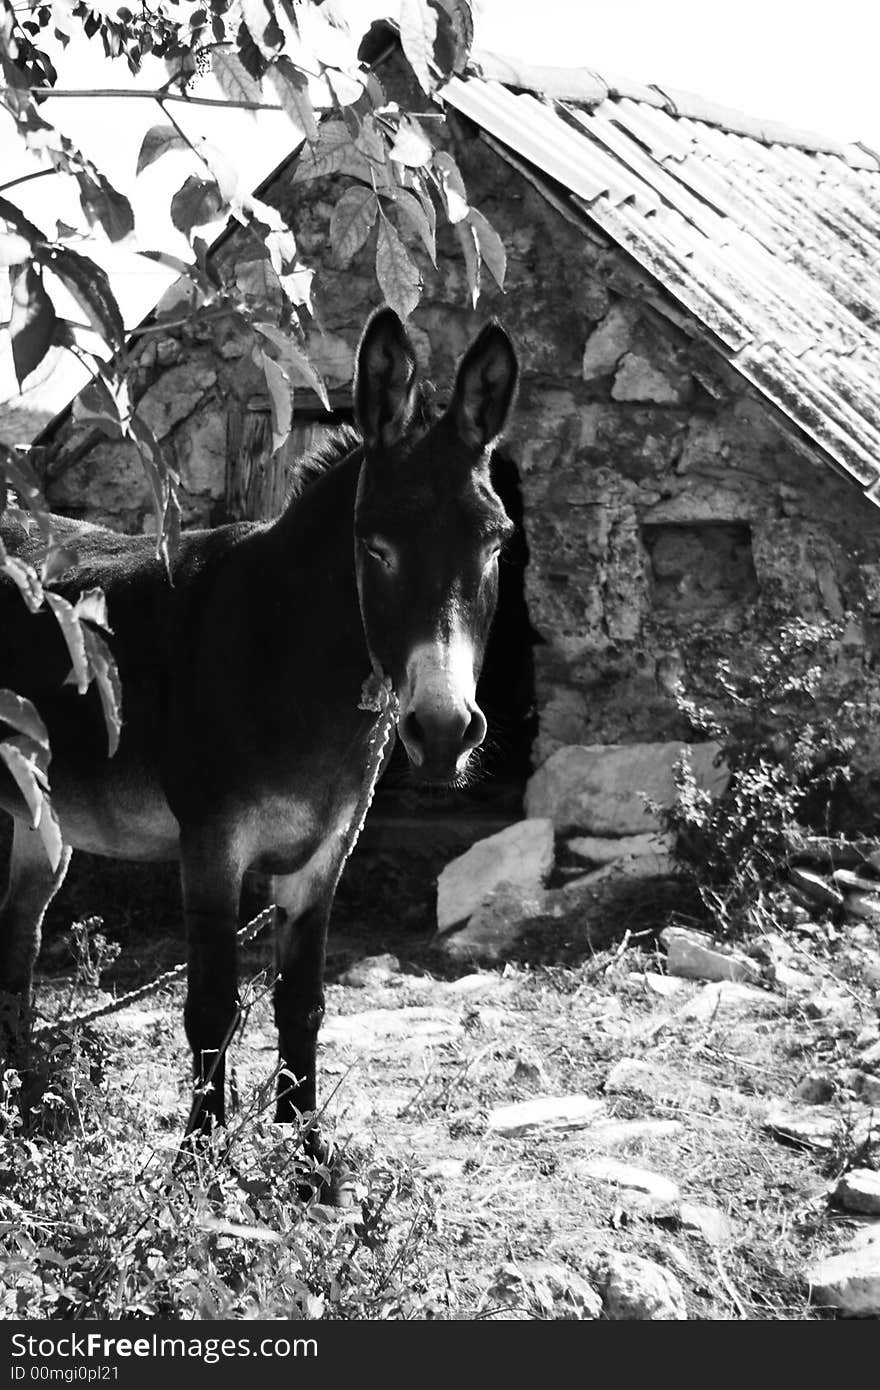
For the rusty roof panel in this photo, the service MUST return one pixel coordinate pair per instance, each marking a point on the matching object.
(768, 237)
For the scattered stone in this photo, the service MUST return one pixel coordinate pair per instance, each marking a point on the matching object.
(547, 1114)
(816, 1127)
(865, 905)
(849, 1282)
(545, 1289)
(635, 1289)
(520, 855)
(710, 1222)
(815, 1089)
(792, 981)
(727, 996)
(652, 1191)
(873, 858)
(868, 1036)
(823, 849)
(631, 1075)
(445, 1169)
(634, 855)
(601, 788)
(477, 986)
(692, 954)
(495, 927)
(372, 970)
(817, 888)
(415, 1025)
(667, 986)
(612, 1134)
(849, 881)
(859, 1190)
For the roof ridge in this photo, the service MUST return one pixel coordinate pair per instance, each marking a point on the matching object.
(587, 87)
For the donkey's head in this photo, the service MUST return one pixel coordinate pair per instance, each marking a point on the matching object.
(428, 531)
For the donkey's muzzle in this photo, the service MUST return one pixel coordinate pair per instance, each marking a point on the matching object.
(439, 741)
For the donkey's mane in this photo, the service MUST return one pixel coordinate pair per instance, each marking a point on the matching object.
(341, 441)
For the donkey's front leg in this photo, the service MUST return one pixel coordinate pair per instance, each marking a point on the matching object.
(303, 911)
(211, 880)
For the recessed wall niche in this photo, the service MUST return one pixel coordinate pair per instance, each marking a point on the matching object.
(701, 567)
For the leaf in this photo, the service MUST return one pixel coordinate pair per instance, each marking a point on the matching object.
(196, 202)
(292, 90)
(418, 30)
(257, 280)
(102, 203)
(297, 287)
(106, 677)
(280, 400)
(17, 220)
(370, 141)
(295, 360)
(414, 212)
(72, 631)
(14, 249)
(24, 576)
(351, 222)
(97, 404)
(346, 88)
(31, 321)
(90, 287)
(91, 606)
(411, 146)
(233, 79)
(159, 140)
(490, 245)
(467, 240)
(23, 716)
(455, 35)
(451, 186)
(399, 279)
(333, 152)
(281, 247)
(26, 762)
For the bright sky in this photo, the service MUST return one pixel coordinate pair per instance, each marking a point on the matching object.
(805, 62)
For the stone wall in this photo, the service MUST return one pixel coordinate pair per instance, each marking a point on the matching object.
(661, 495)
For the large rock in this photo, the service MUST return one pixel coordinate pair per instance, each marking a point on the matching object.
(635, 1289)
(601, 788)
(521, 855)
(694, 956)
(496, 926)
(849, 1282)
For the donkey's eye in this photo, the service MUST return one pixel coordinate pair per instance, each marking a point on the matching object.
(380, 550)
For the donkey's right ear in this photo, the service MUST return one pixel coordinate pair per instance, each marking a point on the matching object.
(385, 389)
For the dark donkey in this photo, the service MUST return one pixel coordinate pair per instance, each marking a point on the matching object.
(243, 743)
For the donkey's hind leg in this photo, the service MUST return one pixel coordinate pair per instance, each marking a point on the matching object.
(211, 881)
(32, 884)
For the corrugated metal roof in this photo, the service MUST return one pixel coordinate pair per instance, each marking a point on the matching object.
(768, 237)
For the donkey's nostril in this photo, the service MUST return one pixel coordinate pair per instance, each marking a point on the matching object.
(413, 737)
(475, 731)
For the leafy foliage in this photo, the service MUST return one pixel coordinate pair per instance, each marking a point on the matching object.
(786, 732)
(99, 1218)
(292, 54)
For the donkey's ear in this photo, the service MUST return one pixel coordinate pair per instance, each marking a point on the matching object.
(385, 380)
(484, 387)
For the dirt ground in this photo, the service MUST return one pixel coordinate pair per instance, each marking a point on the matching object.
(417, 1062)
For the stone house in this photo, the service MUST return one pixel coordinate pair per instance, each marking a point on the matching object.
(695, 298)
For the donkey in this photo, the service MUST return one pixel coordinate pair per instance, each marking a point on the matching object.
(244, 743)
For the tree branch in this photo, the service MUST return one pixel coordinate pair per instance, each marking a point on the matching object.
(159, 94)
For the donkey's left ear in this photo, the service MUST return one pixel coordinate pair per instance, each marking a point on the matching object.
(485, 387)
